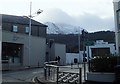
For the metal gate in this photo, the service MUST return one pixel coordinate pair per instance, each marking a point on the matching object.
(54, 73)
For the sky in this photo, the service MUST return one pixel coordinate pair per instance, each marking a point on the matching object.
(92, 15)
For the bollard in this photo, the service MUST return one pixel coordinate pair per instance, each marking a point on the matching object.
(45, 73)
(57, 74)
(89, 65)
(80, 76)
(48, 71)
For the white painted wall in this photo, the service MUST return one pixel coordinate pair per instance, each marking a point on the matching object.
(101, 77)
(71, 56)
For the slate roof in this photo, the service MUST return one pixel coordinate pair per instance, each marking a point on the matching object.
(20, 20)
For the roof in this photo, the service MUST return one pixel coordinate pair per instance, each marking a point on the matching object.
(20, 20)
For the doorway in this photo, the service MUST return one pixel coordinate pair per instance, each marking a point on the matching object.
(12, 53)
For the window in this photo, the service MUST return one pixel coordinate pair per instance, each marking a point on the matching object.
(15, 28)
(11, 54)
(26, 29)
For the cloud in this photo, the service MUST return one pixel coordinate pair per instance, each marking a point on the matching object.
(57, 16)
(90, 22)
(93, 15)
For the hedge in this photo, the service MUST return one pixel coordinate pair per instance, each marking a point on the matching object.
(104, 63)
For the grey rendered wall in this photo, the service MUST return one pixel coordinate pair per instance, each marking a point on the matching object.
(38, 51)
(38, 47)
(52, 52)
(60, 50)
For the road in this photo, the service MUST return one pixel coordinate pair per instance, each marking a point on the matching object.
(21, 76)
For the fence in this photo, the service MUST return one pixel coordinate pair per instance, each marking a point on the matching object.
(54, 74)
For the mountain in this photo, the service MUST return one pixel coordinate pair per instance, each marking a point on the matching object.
(68, 35)
(61, 28)
(71, 40)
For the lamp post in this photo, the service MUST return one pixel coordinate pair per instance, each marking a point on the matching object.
(30, 17)
(84, 54)
(83, 37)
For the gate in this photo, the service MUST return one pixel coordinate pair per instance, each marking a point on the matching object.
(59, 74)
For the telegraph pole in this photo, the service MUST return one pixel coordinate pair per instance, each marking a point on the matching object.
(84, 59)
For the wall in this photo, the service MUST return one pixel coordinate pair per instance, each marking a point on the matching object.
(60, 50)
(117, 27)
(52, 52)
(70, 57)
(101, 77)
(38, 47)
(57, 50)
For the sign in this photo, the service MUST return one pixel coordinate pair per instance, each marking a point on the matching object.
(89, 43)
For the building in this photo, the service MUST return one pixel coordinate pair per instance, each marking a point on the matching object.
(15, 42)
(54, 50)
(70, 57)
(100, 48)
(116, 4)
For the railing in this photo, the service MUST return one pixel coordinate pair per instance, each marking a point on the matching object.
(51, 71)
(54, 74)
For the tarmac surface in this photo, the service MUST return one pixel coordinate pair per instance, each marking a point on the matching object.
(25, 75)
(31, 75)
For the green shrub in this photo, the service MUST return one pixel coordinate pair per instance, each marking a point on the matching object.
(104, 63)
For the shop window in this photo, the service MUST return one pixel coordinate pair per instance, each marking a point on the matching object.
(11, 53)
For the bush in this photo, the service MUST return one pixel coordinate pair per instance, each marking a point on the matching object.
(104, 63)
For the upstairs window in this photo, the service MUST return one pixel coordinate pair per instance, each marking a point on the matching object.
(26, 29)
(15, 28)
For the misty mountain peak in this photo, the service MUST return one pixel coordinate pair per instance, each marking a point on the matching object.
(61, 28)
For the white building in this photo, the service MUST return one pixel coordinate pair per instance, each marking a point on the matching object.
(100, 48)
(116, 4)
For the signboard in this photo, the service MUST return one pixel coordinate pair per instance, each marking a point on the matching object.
(89, 43)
